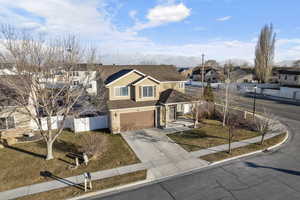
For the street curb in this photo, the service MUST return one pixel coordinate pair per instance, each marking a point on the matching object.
(111, 190)
(252, 153)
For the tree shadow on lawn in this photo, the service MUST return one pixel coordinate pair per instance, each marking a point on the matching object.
(26, 151)
(61, 146)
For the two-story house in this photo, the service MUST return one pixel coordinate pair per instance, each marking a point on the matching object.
(289, 77)
(211, 74)
(81, 75)
(143, 96)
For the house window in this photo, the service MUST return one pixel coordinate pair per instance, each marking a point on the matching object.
(285, 78)
(181, 85)
(7, 123)
(89, 86)
(296, 78)
(75, 82)
(148, 91)
(74, 73)
(121, 91)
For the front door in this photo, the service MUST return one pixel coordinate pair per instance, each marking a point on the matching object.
(172, 113)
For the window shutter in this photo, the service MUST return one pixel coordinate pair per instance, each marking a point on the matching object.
(154, 91)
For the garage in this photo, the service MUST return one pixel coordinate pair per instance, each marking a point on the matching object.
(137, 120)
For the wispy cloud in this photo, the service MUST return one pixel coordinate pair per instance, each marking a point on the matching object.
(222, 19)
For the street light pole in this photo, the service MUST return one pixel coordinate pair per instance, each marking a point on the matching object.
(202, 74)
(254, 101)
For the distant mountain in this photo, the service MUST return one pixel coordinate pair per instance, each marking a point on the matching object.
(179, 61)
(286, 63)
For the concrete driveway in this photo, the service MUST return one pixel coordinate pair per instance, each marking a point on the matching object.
(163, 155)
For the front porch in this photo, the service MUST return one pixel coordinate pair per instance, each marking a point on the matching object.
(175, 115)
(174, 106)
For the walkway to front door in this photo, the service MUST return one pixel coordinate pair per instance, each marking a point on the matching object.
(165, 157)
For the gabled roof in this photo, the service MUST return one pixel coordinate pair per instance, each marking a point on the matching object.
(174, 96)
(159, 72)
(14, 90)
(117, 76)
(295, 71)
(144, 78)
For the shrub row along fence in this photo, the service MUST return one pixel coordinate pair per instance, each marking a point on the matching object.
(75, 124)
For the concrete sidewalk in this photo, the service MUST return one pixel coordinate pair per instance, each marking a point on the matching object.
(66, 182)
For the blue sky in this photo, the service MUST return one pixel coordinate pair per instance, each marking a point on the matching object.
(222, 29)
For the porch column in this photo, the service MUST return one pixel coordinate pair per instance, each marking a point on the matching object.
(196, 114)
(166, 116)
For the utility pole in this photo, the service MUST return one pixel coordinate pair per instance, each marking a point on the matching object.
(202, 75)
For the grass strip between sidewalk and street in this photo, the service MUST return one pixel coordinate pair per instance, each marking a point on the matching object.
(73, 191)
(244, 150)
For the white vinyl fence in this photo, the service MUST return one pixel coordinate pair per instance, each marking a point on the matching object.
(75, 124)
(55, 123)
(90, 123)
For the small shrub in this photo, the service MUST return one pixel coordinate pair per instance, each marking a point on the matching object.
(208, 94)
(94, 145)
(206, 111)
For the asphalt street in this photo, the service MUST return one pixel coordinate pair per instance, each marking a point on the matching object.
(273, 175)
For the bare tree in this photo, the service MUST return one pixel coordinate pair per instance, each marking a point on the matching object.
(264, 54)
(232, 123)
(264, 124)
(44, 68)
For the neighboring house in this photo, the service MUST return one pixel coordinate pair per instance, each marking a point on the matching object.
(82, 75)
(242, 75)
(289, 77)
(14, 120)
(186, 72)
(211, 74)
(143, 96)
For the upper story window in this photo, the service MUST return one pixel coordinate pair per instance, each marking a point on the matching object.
(285, 77)
(181, 85)
(296, 78)
(7, 123)
(75, 83)
(74, 73)
(121, 91)
(148, 91)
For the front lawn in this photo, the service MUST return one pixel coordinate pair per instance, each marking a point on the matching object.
(21, 164)
(211, 133)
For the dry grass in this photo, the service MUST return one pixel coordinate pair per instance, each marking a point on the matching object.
(244, 150)
(21, 164)
(69, 192)
(211, 134)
